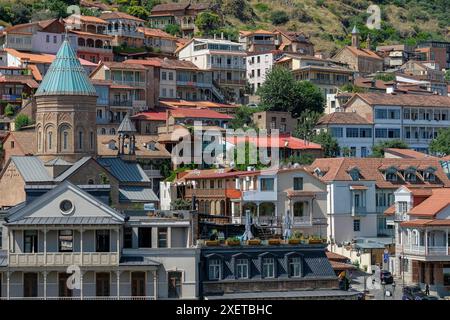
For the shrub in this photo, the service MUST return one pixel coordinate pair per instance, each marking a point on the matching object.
(279, 17)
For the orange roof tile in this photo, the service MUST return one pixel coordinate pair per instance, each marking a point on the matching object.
(198, 113)
(119, 15)
(364, 52)
(435, 203)
(150, 32)
(283, 141)
(73, 18)
(342, 118)
(41, 57)
(407, 153)
(414, 100)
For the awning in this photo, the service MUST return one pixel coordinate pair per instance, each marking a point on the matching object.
(359, 187)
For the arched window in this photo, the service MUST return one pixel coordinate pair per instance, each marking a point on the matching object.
(50, 140)
(103, 131)
(112, 131)
(65, 135)
(80, 139)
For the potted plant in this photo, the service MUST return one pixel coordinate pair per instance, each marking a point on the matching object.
(212, 243)
(295, 238)
(254, 242)
(273, 242)
(234, 241)
(314, 240)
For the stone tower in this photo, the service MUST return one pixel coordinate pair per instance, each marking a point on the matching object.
(65, 110)
(355, 37)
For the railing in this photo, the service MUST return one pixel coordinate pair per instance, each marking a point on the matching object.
(11, 97)
(139, 103)
(302, 221)
(228, 66)
(400, 217)
(422, 250)
(124, 103)
(234, 82)
(96, 49)
(258, 195)
(131, 83)
(359, 210)
(63, 259)
(205, 192)
(272, 42)
(187, 26)
(84, 298)
(125, 32)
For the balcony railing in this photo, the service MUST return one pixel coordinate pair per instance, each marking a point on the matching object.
(359, 210)
(205, 192)
(302, 221)
(63, 259)
(430, 251)
(258, 195)
(131, 83)
(123, 103)
(400, 217)
(96, 49)
(232, 82)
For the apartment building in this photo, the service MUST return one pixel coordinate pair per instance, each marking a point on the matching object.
(93, 43)
(259, 63)
(413, 118)
(111, 254)
(360, 190)
(436, 50)
(226, 60)
(395, 55)
(279, 120)
(295, 42)
(422, 248)
(181, 14)
(258, 40)
(353, 133)
(159, 41)
(427, 71)
(124, 28)
(328, 75)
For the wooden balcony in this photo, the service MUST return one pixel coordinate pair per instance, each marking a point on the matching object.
(63, 259)
(205, 193)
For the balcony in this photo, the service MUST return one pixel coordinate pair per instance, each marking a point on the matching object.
(125, 33)
(400, 217)
(139, 104)
(95, 49)
(231, 82)
(257, 195)
(187, 26)
(213, 193)
(122, 103)
(303, 221)
(131, 83)
(63, 259)
(262, 42)
(424, 251)
(11, 98)
(228, 66)
(359, 210)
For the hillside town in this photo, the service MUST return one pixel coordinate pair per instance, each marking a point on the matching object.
(136, 164)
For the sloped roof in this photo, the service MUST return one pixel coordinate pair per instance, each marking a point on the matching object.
(124, 171)
(119, 15)
(363, 52)
(82, 18)
(435, 203)
(342, 118)
(136, 193)
(282, 141)
(32, 169)
(158, 33)
(126, 126)
(22, 79)
(170, 7)
(66, 76)
(413, 100)
(407, 153)
(198, 113)
(371, 169)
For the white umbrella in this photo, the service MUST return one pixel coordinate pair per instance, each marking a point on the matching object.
(287, 225)
(248, 224)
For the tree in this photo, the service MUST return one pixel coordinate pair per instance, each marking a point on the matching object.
(329, 144)
(180, 204)
(9, 110)
(21, 121)
(207, 22)
(138, 11)
(279, 17)
(441, 144)
(378, 149)
(281, 92)
(243, 117)
(173, 29)
(447, 75)
(306, 124)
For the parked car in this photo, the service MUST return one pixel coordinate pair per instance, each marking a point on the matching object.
(386, 277)
(412, 292)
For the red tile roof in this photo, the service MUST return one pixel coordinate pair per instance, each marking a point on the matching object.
(154, 62)
(435, 203)
(363, 52)
(413, 100)
(283, 141)
(119, 15)
(151, 115)
(407, 153)
(426, 223)
(27, 80)
(198, 113)
(371, 169)
(158, 33)
(342, 118)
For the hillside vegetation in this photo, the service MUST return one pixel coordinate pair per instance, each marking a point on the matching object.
(327, 22)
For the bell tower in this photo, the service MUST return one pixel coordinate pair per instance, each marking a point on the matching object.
(355, 37)
(65, 110)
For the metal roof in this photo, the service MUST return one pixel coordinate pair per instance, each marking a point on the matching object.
(124, 171)
(306, 294)
(32, 169)
(64, 221)
(72, 169)
(126, 126)
(66, 76)
(136, 193)
(137, 261)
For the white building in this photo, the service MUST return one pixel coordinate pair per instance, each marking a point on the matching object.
(258, 65)
(226, 59)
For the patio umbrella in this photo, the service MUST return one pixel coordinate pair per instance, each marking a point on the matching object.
(287, 225)
(248, 224)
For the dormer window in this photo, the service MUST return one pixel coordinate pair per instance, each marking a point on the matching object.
(429, 176)
(215, 269)
(354, 174)
(391, 174)
(318, 172)
(410, 174)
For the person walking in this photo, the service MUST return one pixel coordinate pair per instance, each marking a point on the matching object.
(427, 289)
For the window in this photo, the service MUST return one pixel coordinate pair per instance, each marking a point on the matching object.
(446, 273)
(299, 209)
(47, 38)
(410, 176)
(295, 267)
(337, 132)
(164, 92)
(268, 268)
(364, 152)
(170, 76)
(30, 284)
(91, 140)
(145, 237)
(354, 174)
(65, 240)
(164, 75)
(298, 183)
(402, 206)
(80, 140)
(380, 114)
(30, 238)
(54, 39)
(65, 134)
(102, 240)
(127, 238)
(242, 268)
(50, 140)
(352, 132)
(102, 284)
(356, 225)
(365, 133)
(174, 284)
(266, 184)
(12, 144)
(211, 184)
(162, 237)
(214, 269)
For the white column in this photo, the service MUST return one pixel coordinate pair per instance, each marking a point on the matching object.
(81, 245)
(155, 284)
(81, 284)
(169, 237)
(118, 284)
(426, 241)
(45, 249)
(446, 239)
(118, 242)
(8, 276)
(44, 274)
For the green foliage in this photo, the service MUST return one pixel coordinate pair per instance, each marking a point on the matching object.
(9, 110)
(378, 149)
(306, 124)
(386, 77)
(243, 117)
(180, 204)
(173, 29)
(304, 159)
(138, 11)
(281, 92)
(441, 144)
(207, 23)
(279, 17)
(352, 88)
(447, 75)
(329, 144)
(262, 7)
(21, 121)
(249, 161)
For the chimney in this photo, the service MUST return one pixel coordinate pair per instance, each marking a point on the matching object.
(389, 90)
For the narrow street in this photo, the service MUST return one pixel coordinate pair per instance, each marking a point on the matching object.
(376, 289)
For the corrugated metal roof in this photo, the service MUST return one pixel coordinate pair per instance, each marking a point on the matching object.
(32, 169)
(124, 171)
(135, 193)
(66, 76)
(65, 221)
(72, 169)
